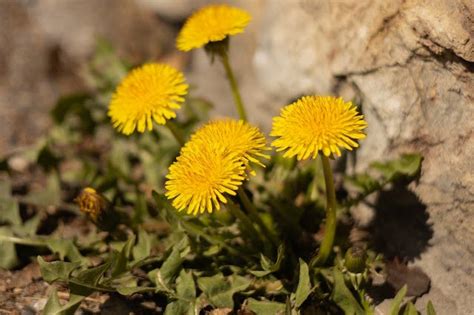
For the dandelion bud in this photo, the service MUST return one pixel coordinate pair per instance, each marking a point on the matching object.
(97, 209)
(91, 203)
(355, 259)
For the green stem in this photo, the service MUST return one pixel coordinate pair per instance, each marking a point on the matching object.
(22, 241)
(330, 227)
(176, 132)
(233, 84)
(255, 216)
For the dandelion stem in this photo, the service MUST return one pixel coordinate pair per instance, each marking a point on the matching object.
(176, 132)
(233, 84)
(254, 215)
(330, 227)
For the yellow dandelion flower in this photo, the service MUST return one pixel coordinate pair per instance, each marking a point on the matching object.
(213, 163)
(234, 137)
(91, 203)
(150, 93)
(212, 23)
(201, 177)
(317, 123)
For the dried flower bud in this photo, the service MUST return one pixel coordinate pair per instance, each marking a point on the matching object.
(92, 203)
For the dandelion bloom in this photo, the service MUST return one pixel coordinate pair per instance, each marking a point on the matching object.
(317, 123)
(213, 163)
(150, 93)
(236, 137)
(200, 178)
(91, 203)
(212, 23)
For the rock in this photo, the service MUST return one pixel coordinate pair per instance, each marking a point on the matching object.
(175, 10)
(410, 66)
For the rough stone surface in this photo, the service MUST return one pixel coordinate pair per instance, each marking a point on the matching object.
(410, 65)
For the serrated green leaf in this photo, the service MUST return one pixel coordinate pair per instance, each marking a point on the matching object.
(50, 196)
(266, 307)
(132, 290)
(85, 282)
(267, 265)
(364, 182)
(65, 248)
(220, 291)
(93, 275)
(5, 188)
(304, 284)
(180, 307)
(410, 309)
(185, 287)
(120, 260)
(406, 165)
(29, 227)
(143, 247)
(8, 258)
(53, 307)
(172, 265)
(9, 211)
(430, 309)
(186, 294)
(56, 270)
(397, 301)
(343, 297)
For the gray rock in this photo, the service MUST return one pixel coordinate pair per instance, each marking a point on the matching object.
(410, 63)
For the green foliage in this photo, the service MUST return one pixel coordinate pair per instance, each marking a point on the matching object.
(303, 290)
(219, 290)
(185, 302)
(192, 263)
(397, 301)
(53, 306)
(430, 309)
(380, 174)
(267, 265)
(343, 297)
(266, 307)
(8, 258)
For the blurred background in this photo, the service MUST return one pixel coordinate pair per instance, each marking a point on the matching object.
(408, 63)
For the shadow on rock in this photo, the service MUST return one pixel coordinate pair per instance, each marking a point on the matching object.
(400, 227)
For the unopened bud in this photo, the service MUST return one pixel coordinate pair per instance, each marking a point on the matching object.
(355, 259)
